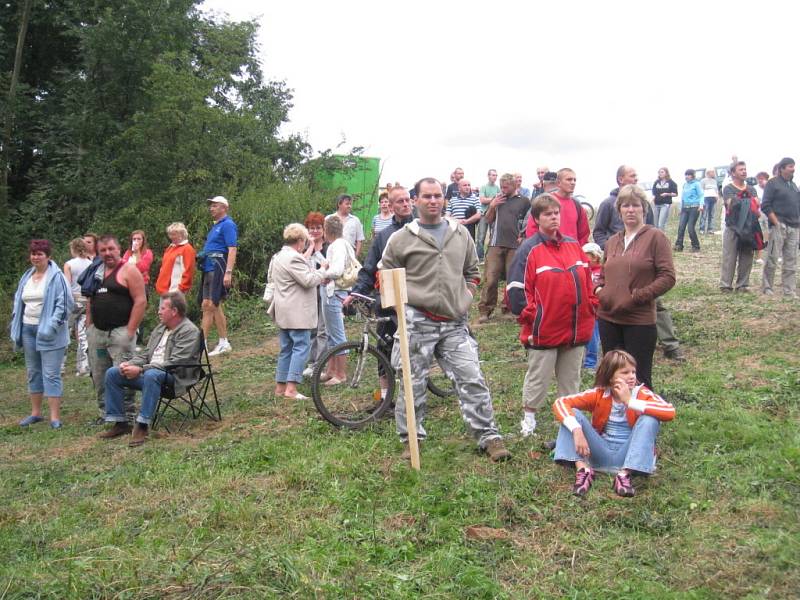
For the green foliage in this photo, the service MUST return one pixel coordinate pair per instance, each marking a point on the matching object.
(130, 113)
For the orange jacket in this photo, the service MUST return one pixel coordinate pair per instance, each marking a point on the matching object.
(177, 269)
(598, 402)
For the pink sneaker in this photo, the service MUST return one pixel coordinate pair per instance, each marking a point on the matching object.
(623, 486)
(583, 481)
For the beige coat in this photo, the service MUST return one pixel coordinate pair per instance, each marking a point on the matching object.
(294, 304)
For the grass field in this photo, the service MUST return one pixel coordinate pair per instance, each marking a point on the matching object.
(273, 502)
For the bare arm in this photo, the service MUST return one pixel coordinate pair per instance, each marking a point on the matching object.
(134, 281)
(228, 278)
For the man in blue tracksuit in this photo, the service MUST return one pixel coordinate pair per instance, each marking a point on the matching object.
(691, 207)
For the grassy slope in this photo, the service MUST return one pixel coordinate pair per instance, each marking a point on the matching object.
(273, 502)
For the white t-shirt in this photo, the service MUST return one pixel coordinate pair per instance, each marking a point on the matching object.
(33, 297)
(77, 266)
(158, 354)
(353, 230)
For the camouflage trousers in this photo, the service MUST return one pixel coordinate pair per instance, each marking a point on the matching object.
(457, 352)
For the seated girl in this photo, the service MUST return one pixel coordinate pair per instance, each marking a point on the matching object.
(621, 436)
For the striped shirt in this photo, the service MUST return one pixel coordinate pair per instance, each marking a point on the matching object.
(457, 206)
(379, 223)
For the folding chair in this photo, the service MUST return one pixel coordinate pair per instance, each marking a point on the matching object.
(199, 398)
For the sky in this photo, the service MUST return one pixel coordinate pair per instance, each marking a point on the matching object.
(430, 86)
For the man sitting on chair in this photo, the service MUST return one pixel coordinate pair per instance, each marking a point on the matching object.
(176, 340)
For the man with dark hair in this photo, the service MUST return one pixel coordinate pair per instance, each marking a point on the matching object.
(504, 213)
(781, 205)
(607, 222)
(113, 314)
(218, 261)
(741, 215)
(441, 276)
(353, 230)
(176, 340)
(367, 276)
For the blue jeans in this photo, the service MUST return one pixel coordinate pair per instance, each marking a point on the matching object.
(662, 215)
(334, 319)
(43, 366)
(149, 383)
(636, 454)
(707, 218)
(688, 218)
(295, 346)
(592, 349)
(480, 237)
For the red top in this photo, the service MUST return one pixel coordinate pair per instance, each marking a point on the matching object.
(574, 222)
(143, 264)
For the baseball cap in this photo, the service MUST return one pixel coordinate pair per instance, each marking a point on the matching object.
(219, 199)
(592, 248)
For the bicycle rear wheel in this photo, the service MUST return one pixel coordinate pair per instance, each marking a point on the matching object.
(439, 383)
(358, 400)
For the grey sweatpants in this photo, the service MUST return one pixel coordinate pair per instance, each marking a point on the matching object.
(457, 352)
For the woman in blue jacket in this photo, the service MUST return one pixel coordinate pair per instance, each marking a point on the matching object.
(39, 325)
(691, 206)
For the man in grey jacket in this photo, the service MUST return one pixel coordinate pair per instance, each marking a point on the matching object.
(441, 275)
(176, 340)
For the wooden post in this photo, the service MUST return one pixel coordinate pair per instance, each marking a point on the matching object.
(394, 293)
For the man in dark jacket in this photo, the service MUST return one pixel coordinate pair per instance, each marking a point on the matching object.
(781, 206)
(607, 222)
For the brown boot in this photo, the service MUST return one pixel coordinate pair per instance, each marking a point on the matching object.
(117, 430)
(497, 450)
(139, 436)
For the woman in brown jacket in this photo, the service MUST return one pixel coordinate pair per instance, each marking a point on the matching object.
(294, 307)
(638, 268)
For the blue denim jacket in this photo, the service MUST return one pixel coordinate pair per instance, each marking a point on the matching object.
(692, 195)
(53, 332)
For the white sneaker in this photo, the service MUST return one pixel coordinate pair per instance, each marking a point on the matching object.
(308, 372)
(528, 424)
(221, 347)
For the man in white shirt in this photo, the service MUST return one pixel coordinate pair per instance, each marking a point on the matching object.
(353, 229)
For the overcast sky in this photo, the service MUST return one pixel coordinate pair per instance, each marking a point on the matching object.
(428, 86)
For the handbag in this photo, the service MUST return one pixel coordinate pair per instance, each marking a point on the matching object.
(269, 289)
(351, 269)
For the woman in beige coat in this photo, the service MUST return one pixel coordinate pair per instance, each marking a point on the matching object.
(294, 307)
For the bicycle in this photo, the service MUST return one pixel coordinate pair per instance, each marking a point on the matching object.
(368, 391)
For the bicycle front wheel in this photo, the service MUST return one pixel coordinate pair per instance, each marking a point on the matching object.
(359, 399)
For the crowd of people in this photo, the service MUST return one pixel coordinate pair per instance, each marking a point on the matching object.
(571, 296)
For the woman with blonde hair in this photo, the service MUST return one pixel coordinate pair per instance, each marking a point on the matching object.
(638, 268)
(73, 269)
(294, 307)
(178, 263)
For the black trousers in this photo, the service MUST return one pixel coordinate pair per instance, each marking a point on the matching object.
(637, 340)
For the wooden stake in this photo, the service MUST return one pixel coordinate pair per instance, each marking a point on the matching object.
(394, 293)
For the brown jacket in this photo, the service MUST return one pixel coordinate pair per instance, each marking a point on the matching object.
(632, 279)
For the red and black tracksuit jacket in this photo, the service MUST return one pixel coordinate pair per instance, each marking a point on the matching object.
(550, 289)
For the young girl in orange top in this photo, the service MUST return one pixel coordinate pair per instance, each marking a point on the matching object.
(621, 436)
